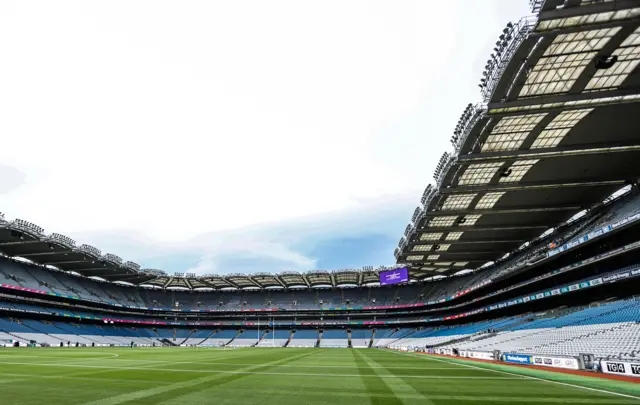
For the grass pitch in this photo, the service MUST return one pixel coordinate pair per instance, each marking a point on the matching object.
(281, 377)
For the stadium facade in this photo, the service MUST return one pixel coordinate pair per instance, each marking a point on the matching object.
(527, 242)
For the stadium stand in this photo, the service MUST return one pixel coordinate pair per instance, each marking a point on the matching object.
(609, 330)
(55, 282)
(277, 338)
(247, 338)
(304, 338)
(527, 242)
(360, 338)
(334, 338)
(219, 338)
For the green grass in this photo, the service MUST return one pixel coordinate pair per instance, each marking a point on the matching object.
(282, 376)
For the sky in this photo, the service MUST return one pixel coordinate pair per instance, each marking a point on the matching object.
(234, 136)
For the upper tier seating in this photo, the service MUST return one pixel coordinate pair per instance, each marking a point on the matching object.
(51, 281)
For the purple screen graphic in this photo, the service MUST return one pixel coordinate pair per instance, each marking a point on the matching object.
(394, 276)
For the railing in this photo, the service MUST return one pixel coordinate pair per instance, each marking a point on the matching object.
(62, 240)
(429, 192)
(513, 35)
(113, 258)
(445, 168)
(471, 115)
(535, 5)
(90, 250)
(28, 227)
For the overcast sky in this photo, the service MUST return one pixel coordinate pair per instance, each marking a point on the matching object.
(234, 136)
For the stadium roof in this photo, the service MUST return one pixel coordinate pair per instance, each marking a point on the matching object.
(553, 135)
(19, 238)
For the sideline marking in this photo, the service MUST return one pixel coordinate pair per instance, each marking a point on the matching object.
(522, 375)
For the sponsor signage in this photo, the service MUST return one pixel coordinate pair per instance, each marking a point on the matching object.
(517, 358)
(477, 355)
(621, 368)
(394, 276)
(616, 277)
(557, 362)
(595, 281)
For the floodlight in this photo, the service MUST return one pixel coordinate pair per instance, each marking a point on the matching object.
(605, 61)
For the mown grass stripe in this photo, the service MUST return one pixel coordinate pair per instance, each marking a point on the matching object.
(251, 370)
(550, 377)
(375, 385)
(191, 385)
(405, 392)
(479, 399)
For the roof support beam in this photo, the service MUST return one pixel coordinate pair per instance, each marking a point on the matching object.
(484, 228)
(539, 185)
(561, 98)
(65, 262)
(496, 211)
(98, 269)
(147, 277)
(47, 253)
(118, 275)
(558, 151)
(447, 256)
(465, 242)
(280, 281)
(20, 242)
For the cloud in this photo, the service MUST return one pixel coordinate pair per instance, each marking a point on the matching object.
(209, 132)
(363, 235)
(10, 178)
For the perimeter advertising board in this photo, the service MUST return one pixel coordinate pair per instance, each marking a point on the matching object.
(477, 355)
(621, 368)
(556, 362)
(517, 358)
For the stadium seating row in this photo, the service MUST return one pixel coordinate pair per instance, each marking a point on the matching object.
(607, 330)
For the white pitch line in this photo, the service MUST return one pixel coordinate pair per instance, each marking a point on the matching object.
(64, 356)
(141, 394)
(526, 376)
(267, 373)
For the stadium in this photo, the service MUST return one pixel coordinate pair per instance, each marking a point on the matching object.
(516, 280)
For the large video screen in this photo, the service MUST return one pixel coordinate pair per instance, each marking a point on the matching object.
(394, 276)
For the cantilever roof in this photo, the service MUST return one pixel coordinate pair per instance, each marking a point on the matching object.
(554, 135)
(23, 239)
